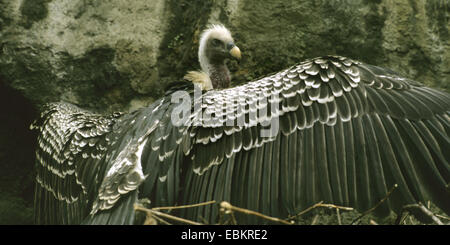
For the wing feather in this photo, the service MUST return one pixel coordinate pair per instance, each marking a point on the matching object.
(67, 161)
(378, 181)
(348, 132)
(334, 171)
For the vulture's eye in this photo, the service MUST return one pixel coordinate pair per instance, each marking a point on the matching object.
(216, 42)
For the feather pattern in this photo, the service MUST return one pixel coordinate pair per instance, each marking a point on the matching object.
(358, 131)
(329, 128)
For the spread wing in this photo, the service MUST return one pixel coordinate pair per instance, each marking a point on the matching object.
(89, 167)
(344, 133)
(328, 129)
(69, 162)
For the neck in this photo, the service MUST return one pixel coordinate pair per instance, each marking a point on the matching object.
(219, 75)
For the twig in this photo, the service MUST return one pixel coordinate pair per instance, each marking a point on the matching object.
(221, 216)
(168, 216)
(377, 205)
(223, 212)
(185, 206)
(306, 210)
(204, 220)
(335, 206)
(400, 219)
(442, 216)
(319, 204)
(314, 221)
(160, 220)
(338, 216)
(228, 206)
(150, 219)
(233, 218)
(424, 210)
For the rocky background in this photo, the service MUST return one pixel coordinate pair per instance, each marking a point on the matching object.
(118, 55)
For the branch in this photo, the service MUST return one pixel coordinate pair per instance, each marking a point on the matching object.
(442, 216)
(306, 210)
(168, 216)
(160, 220)
(422, 208)
(185, 206)
(314, 221)
(228, 206)
(320, 204)
(335, 206)
(338, 216)
(377, 205)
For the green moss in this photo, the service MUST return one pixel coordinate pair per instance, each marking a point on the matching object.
(33, 11)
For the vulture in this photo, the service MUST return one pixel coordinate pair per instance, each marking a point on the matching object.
(328, 129)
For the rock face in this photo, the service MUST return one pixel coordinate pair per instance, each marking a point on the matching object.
(106, 54)
(93, 53)
(116, 55)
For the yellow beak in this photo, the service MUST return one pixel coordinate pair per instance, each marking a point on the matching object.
(236, 52)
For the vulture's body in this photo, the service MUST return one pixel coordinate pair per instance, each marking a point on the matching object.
(347, 132)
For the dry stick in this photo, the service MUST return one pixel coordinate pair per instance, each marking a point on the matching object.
(150, 219)
(204, 220)
(221, 216)
(338, 216)
(185, 206)
(372, 222)
(160, 220)
(377, 205)
(422, 208)
(306, 210)
(400, 219)
(168, 216)
(334, 206)
(228, 206)
(233, 218)
(319, 204)
(442, 216)
(314, 221)
(176, 207)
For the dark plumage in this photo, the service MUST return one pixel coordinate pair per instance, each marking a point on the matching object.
(347, 133)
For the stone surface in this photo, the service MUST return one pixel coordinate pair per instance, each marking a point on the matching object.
(97, 54)
(105, 54)
(118, 55)
(411, 37)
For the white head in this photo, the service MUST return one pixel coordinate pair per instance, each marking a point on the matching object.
(216, 45)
